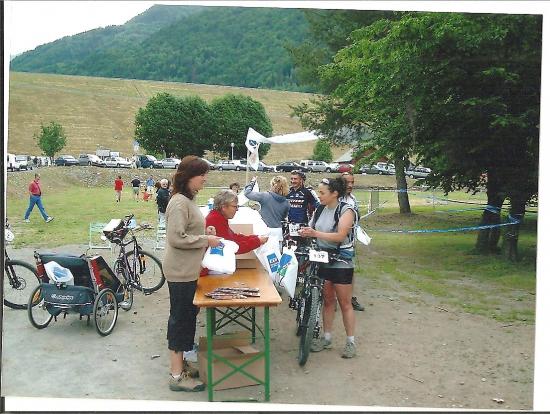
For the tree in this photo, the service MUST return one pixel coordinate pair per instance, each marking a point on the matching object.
(461, 92)
(174, 126)
(233, 115)
(322, 151)
(51, 138)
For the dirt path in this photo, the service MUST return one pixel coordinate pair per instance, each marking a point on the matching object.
(410, 354)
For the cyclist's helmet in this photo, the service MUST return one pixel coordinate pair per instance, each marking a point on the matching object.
(299, 173)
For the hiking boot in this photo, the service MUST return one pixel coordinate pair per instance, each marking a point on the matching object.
(349, 350)
(356, 305)
(185, 383)
(319, 344)
(49, 219)
(192, 371)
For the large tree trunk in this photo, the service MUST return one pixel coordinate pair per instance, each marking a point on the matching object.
(487, 239)
(511, 234)
(402, 195)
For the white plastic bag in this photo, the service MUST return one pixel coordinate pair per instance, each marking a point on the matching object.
(58, 273)
(221, 258)
(362, 236)
(269, 255)
(287, 273)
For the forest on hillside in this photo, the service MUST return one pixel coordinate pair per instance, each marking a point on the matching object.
(234, 46)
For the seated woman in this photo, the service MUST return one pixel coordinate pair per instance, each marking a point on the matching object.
(225, 208)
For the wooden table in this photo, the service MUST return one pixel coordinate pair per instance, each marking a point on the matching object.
(240, 311)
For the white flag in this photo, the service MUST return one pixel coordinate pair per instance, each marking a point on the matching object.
(253, 140)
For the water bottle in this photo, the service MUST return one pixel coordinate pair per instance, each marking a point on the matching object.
(210, 203)
(133, 223)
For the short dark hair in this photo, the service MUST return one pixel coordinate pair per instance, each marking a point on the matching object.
(234, 184)
(189, 167)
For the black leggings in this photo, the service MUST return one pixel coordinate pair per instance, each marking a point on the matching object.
(183, 316)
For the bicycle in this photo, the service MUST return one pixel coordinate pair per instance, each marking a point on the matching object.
(137, 268)
(20, 278)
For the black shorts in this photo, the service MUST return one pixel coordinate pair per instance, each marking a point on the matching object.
(339, 276)
(183, 316)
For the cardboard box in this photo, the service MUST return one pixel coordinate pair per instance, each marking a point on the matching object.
(246, 260)
(237, 349)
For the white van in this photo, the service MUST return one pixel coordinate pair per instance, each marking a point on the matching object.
(11, 163)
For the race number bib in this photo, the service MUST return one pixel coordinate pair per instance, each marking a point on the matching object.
(293, 229)
(318, 256)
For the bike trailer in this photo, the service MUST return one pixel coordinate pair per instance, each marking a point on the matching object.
(79, 299)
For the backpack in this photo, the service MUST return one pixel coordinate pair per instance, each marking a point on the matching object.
(337, 214)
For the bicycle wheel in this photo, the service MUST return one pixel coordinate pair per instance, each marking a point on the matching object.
(125, 291)
(36, 309)
(311, 313)
(105, 312)
(151, 276)
(20, 279)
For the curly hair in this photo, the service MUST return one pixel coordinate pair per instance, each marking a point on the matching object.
(189, 167)
(279, 185)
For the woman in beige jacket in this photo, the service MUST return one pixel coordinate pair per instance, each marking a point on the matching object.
(185, 246)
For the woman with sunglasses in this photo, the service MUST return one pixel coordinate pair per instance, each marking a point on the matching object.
(337, 276)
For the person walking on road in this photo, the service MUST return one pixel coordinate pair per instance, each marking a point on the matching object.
(186, 242)
(135, 187)
(150, 184)
(118, 188)
(35, 193)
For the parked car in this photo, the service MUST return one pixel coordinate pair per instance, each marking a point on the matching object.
(386, 166)
(211, 165)
(342, 168)
(316, 166)
(290, 166)
(374, 169)
(117, 162)
(231, 165)
(66, 160)
(333, 166)
(90, 159)
(11, 163)
(265, 168)
(170, 162)
(418, 172)
(148, 161)
(25, 162)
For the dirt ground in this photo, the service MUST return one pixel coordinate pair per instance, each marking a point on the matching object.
(411, 353)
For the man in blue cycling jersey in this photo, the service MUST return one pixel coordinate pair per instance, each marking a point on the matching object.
(303, 201)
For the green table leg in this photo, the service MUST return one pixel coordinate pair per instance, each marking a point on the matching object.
(210, 321)
(267, 351)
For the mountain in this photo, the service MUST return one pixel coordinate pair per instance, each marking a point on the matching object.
(234, 46)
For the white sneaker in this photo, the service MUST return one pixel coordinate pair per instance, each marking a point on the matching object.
(27, 221)
(49, 219)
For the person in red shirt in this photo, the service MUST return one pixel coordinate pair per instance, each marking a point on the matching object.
(118, 188)
(35, 193)
(225, 208)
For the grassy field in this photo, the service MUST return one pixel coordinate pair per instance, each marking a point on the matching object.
(437, 267)
(101, 111)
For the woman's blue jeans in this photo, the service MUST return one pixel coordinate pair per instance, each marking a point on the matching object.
(38, 201)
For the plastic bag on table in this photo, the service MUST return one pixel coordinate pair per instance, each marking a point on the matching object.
(287, 273)
(221, 258)
(269, 255)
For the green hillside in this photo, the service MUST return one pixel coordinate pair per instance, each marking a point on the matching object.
(100, 111)
(235, 46)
